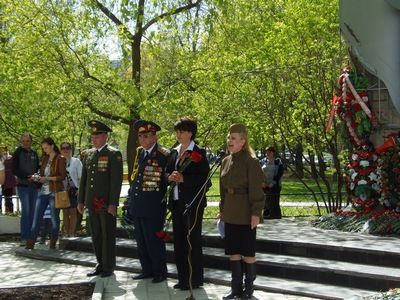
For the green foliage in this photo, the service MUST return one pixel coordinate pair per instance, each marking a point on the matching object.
(269, 64)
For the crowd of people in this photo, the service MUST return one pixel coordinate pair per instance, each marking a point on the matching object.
(163, 179)
(36, 181)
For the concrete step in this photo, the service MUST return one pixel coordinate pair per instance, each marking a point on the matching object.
(282, 266)
(354, 253)
(212, 275)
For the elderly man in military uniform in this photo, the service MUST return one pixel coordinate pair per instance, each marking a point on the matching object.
(99, 190)
(146, 205)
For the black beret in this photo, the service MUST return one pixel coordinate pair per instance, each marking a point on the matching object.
(98, 127)
(142, 126)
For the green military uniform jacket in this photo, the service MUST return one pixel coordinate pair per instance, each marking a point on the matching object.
(101, 179)
(241, 191)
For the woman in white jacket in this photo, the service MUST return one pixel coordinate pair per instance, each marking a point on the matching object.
(74, 171)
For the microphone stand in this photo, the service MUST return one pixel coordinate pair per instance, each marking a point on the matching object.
(186, 213)
(213, 169)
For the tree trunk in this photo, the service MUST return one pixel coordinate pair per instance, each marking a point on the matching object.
(298, 160)
(131, 149)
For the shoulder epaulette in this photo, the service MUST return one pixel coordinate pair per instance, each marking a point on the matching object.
(87, 152)
(112, 149)
(163, 150)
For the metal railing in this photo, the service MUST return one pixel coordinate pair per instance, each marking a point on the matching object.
(292, 204)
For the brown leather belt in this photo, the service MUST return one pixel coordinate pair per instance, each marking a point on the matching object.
(237, 191)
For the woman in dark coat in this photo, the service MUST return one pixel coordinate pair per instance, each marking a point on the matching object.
(187, 172)
(242, 201)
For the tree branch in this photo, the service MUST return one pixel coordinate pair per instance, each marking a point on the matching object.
(104, 114)
(171, 13)
(114, 19)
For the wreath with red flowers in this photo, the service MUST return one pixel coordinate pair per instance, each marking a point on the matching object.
(363, 178)
(372, 176)
(389, 177)
(351, 105)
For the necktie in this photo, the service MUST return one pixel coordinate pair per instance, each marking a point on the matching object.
(146, 154)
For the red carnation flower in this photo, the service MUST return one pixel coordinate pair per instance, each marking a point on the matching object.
(163, 235)
(98, 204)
(195, 156)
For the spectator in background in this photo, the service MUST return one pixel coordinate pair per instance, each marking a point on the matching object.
(273, 171)
(52, 174)
(9, 182)
(79, 227)
(25, 163)
(74, 171)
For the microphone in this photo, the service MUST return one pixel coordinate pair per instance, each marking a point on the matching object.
(220, 156)
(213, 169)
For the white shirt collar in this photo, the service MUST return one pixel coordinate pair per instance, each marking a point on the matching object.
(189, 148)
(101, 148)
(150, 149)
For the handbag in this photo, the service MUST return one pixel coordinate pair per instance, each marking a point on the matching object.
(61, 197)
(62, 200)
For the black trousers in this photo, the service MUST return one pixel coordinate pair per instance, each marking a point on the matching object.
(272, 209)
(151, 248)
(181, 225)
(103, 229)
(7, 194)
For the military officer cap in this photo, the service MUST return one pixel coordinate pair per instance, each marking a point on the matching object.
(143, 126)
(97, 127)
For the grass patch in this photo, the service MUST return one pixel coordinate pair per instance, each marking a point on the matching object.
(211, 212)
(290, 185)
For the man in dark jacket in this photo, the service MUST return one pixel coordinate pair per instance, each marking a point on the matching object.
(99, 190)
(25, 164)
(145, 201)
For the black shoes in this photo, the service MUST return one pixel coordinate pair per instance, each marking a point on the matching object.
(159, 278)
(177, 286)
(142, 276)
(95, 272)
(156, 278)
(185, 287)
(98, 272)
(106, 274)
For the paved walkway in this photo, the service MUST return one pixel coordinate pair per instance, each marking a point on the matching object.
(17, 271)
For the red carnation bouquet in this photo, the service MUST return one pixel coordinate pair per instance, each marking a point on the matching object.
(185, 160)
(163, 234)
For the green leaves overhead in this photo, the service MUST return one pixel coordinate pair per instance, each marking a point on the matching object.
(270, 64)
